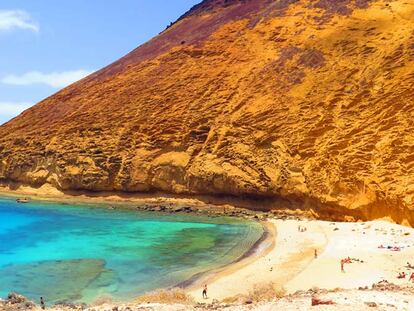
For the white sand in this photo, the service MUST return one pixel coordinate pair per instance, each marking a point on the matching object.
(287, 259)
(291, 262)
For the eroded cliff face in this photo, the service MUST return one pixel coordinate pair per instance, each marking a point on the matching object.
(307, 101)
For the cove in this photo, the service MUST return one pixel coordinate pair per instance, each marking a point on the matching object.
(72, 253)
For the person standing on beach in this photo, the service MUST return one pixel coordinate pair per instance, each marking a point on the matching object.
(205, 292)
(42, 303)
(316, 253)
(342, 265)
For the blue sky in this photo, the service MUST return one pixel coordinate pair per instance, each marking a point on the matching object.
(47, 44)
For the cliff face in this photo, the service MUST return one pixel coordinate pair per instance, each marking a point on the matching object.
(308, 101)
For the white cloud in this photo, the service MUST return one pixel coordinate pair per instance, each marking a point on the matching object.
(11, 109)
(17, 19)
(54, 79)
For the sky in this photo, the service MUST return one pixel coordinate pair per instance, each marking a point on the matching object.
(49, 44)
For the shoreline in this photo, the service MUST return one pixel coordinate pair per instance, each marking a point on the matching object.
(251, 254)
(285, 255)
(50, 194)
(159, 202)
(47, 192)
(220, 204)
(293, 266)
(260, 248)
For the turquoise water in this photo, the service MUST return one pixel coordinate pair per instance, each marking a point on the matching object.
(80, 253)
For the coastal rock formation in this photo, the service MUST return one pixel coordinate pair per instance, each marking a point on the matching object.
(305, 103)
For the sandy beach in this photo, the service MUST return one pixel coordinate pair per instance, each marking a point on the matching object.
(376, 251)
(291, 263)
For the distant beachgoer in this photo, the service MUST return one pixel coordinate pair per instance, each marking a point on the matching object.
(316, 253)
(42, 303)
(401, 275)
(205, 292)
(342, 265)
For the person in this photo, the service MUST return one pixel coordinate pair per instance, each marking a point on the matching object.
(205, 292)
(316, 253)
(401, 275)
(342, 265)
(42, 303)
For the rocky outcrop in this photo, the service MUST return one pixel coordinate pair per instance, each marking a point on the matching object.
(15, 302)
(304, 103)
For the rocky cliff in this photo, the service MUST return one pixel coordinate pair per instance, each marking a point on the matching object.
(308, 103)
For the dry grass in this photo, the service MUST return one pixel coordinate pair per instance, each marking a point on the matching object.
(103, 299)
(266, 292)
(163, 296)
(259, 293)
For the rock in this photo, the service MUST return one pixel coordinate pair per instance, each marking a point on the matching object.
(294, 127)
(19, 302)
(14, 298)
(371, 304)
(176, 209)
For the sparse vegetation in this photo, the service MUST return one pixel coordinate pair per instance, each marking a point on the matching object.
(266, 292)
(103, 299)
(172, 296)
(259, 293)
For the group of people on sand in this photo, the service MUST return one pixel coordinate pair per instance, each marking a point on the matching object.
(403, 275)
(392, 248)
(344, 261)
(302, 229)
(349, 260)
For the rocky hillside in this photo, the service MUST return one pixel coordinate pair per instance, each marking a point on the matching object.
(307, 103)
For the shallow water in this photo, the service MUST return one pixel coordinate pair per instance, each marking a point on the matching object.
(80, 253)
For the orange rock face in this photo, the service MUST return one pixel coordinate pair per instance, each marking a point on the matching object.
(310, 103)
